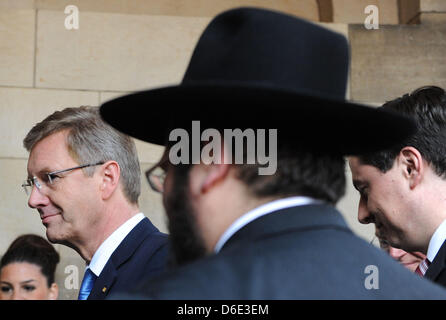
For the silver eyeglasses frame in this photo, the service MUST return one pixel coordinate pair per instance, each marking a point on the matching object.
(30, 182)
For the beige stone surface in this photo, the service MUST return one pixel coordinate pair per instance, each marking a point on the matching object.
(198, 8)
(433, 5)
(17, 30)
(390, 11)
(15, 216)
(17, 4)
(394, 60)
(347, 11)
(148, 152)
(109, 95)
(21, 109)
(114, 52)
(341, 28)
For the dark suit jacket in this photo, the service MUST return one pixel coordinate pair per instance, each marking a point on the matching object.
(142, 254)
(437, 270)
(304, 252)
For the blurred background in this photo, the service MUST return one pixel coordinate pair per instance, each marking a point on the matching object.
(120, 46)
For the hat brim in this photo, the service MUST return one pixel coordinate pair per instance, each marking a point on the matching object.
(307, 121)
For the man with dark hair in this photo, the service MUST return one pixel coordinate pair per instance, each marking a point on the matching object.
(402, 188)
(241, 232)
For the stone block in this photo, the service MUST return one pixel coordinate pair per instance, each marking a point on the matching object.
(199, 8)
(21, 109)
(433, 5)
(390, 11)
(17, 4)
(394, 60)
(17, 30)
(114, 52)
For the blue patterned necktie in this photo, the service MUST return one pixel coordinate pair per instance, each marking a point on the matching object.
(87, 284)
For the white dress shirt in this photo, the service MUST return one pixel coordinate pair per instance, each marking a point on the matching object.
(261, 211)
(436, 241)
(106, 249)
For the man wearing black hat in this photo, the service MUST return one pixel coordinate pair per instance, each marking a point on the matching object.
(238, 232)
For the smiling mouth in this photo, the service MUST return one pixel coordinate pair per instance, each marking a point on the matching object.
(47, 218)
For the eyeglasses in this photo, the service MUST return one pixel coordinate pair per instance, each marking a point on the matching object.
(156, 176)
(48, 178)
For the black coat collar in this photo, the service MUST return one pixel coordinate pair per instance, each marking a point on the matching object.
(299, 218)
(438, 264)
(122, 253)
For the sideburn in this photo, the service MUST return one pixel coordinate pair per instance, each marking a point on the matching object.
(186, 243)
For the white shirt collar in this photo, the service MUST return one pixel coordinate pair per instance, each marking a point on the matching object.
(436, 241)
(261, 211)
(106, 249)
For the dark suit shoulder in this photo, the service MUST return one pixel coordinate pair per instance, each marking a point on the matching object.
(437, 270)
(314, 264)
(141, 255)
(147, 245)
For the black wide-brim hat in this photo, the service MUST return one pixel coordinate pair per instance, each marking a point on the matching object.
(260, 69)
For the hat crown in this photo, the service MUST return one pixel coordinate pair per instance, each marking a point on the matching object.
(258, 69)
(290, 54)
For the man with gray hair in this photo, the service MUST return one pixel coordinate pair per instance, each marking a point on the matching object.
(84, 180)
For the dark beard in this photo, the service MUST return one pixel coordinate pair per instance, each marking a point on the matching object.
(186, 244)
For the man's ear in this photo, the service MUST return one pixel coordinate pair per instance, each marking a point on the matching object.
(109, 178)
(215, 174)
(219, 169)
(212, 170)
(411, 162)
(203, 177)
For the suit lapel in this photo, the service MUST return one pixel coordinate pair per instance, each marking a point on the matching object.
(104, 282)
(294, 219)
(438, 264)
(123, 252)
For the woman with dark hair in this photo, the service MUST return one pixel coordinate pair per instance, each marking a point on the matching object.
(27, 270)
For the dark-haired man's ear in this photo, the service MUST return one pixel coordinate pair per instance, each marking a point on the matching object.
(216, 173)
(211, 171)
(203, 177)
(412, 164)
